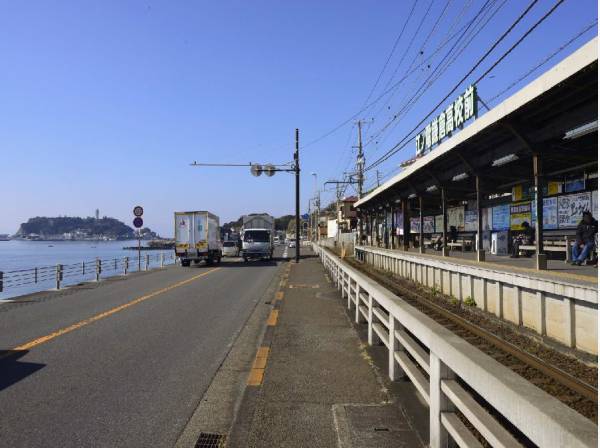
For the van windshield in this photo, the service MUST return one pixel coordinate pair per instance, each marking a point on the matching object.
(257, 236)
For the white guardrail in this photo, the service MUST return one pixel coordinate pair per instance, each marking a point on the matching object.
(438, 363)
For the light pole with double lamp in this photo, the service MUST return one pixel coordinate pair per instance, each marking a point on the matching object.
(269, 169)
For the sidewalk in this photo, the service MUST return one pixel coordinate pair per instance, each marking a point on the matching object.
(318, 386)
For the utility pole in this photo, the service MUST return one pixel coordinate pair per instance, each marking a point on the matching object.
(360, 161)
(378, 178)
(360, 172)
(297, 171)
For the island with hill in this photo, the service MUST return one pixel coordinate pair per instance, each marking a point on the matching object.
(65, 228)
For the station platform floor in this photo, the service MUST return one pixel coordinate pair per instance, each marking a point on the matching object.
(557, 269)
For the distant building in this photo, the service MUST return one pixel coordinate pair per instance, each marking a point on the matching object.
(97, 213)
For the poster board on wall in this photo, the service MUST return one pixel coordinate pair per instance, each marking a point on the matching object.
(415, 225)
(439, 223)
(456, 217)
(428, 224)
(520, 212)
(399, 220)
(571, 208)
(595, 203)
(501, 217)
(550, 213)
(471, 221)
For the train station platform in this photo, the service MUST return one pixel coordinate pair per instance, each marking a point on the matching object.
(318, 385)
(557, 269)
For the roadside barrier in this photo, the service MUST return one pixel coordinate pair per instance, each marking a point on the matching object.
(562, 310)
(61, 275)
(454, 377)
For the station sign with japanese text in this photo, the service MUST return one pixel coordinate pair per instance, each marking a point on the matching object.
(448, 121)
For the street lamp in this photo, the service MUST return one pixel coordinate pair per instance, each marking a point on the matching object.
(269, 170)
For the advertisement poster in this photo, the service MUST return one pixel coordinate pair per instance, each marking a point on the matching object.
(571, 208)
(456, 217)
(519, 213)
(439, 223)
(428, 224)
(595, 204)
(550, 213)
(575, 184)
(501, 217)
(471, 221)
(415, 225)
(398, 220)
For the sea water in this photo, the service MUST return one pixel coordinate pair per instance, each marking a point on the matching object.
(18, 258)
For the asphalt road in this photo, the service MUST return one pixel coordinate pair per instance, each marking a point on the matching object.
(123, 364)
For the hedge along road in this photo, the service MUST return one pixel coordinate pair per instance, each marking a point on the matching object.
(121, 364)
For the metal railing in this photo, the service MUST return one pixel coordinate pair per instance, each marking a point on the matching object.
(61, 275)
(455, 378)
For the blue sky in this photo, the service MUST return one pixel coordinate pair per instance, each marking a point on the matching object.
(105, 105)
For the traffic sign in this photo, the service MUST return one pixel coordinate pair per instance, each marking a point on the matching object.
(138, 222)
(138, 211)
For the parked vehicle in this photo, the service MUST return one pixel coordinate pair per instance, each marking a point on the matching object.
(292, 243)
(197, 237)
(257, 244)
(230, 249)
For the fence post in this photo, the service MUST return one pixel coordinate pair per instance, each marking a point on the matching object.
(125, 265)
(438, 402)
(98, 269)
(147, 261)
(1, 281)
(35, 273)
(83, 268)
(59, 275)
(162, 260)
(115, 265)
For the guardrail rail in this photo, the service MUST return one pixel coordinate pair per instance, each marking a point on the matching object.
(453, 377)
(61, 275)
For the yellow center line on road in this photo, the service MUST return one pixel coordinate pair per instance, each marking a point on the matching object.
(272, 320)
(97, 317)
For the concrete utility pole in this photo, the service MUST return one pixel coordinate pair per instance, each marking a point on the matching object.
(297, 172)
(360, 173)
(360, 161)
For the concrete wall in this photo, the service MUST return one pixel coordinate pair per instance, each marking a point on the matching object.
(564, 311)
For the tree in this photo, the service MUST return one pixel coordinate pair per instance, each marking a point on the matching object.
(291, 227)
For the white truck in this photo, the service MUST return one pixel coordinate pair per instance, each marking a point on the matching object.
(257, 236)
(197, 237)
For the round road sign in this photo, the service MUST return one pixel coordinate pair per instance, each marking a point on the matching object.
(138, 222)
(138, 211)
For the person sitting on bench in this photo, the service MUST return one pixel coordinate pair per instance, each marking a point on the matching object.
(584, 238)
(526, 236)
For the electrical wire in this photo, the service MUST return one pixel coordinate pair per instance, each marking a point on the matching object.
(404, 141)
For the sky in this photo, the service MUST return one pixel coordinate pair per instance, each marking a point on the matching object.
(105, 104)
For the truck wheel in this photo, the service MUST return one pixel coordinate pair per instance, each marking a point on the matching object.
(209, 261)
(245, 260)
(185, 263)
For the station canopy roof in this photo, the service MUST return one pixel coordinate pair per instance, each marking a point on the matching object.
(555, 116)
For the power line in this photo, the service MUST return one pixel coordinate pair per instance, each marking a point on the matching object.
(545, 60)
(420, 52)
(382, 95)
(437, 72)
(402, 143)
(410, 14)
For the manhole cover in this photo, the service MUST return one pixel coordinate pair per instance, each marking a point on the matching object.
(208, 440)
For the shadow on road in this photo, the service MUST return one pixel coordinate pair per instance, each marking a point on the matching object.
(12, 370)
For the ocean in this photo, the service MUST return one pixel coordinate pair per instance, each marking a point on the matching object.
(18, 260)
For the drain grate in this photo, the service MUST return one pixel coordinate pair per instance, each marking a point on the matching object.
(208, 440)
